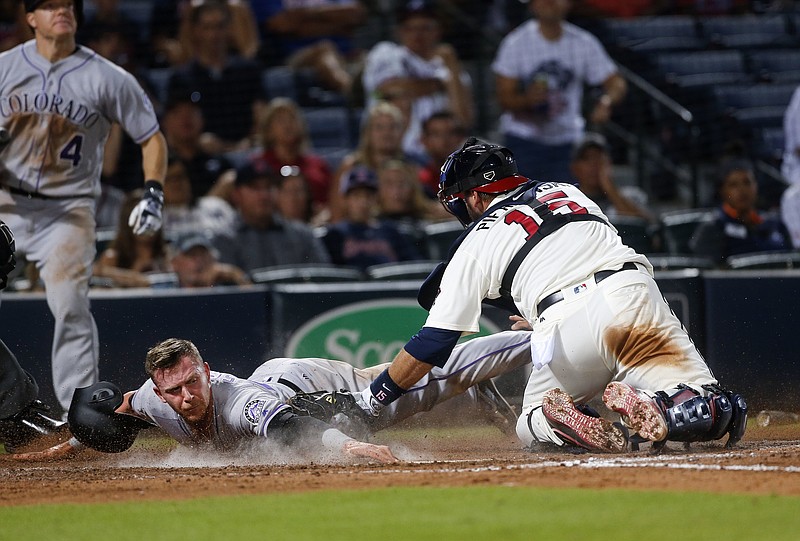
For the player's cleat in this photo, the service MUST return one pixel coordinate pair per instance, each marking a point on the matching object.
(26, 426)
(640, 413)
(496, 408)
(576, 428)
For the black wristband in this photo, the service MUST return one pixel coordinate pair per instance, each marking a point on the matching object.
(385, 390)
(153, 185)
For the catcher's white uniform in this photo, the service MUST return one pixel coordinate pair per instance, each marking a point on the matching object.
(244, 408)
(619, 329)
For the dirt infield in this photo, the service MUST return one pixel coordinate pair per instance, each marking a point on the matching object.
(767, 461)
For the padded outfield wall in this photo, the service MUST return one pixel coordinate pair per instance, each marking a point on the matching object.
(744, 322)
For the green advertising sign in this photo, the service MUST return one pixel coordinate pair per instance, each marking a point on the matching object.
(364, 333)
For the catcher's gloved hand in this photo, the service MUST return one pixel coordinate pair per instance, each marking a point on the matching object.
(7, 249)
(145, 219)
(337, 408)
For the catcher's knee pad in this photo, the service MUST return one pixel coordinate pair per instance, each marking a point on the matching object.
(692, 417)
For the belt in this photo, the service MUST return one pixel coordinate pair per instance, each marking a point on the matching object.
(289, 384)
(37, 195)
(599, 276)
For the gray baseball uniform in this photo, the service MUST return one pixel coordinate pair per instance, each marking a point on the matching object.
(244, 408)
(59, 116)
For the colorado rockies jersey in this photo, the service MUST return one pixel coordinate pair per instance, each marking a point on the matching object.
(242, 409)
(565, 257)
(59, 116)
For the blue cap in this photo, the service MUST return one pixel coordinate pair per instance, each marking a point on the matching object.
(359, 176)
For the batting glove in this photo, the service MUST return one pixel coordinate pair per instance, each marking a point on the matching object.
(145, 219)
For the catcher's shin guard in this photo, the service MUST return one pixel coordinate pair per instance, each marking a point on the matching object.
(692, 417)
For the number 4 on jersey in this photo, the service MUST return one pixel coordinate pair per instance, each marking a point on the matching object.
(72, 150)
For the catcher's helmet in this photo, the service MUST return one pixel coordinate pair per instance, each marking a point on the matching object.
(478, 166)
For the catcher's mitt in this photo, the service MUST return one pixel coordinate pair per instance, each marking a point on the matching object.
(337, 408)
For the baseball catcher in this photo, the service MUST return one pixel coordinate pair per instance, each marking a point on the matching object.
(23, 418)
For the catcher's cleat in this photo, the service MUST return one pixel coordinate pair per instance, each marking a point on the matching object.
(496, 408)
(640, 413)
(26, 426)
(576, 428)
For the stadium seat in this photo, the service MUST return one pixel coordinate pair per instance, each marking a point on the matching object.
(333, 155)
(662, 262)
(702, 68)
(306, 273)
(679, 226)
(158, 78)
(279, 81)
(768, 144)
(625, 32)
(765, 260)
(755, 105)
(776, 65)
(329, 126)
(747, 31)
(635, 232)
(103, 238)
(402, 270)
(440, 236)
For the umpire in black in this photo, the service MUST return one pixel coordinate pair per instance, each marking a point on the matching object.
(23, 418)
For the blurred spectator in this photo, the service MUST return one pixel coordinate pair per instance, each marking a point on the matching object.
(111, 30)
(315, 34)
(261, 236)
(284, 136)
(442, 135)
(402, 203)
(14, 28)
(182, 123)
(399, 194)
(419, 73)
(111, 37)
(196, 263)
(790, 166)
(227, 87)
(738, 227)
(380, 140)
(541, 68)
(294, 195)
(591, 166)
(129, 258)
(359, 240)
(170, 31)
(184, 213)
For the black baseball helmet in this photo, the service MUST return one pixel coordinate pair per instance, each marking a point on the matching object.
(478, 166)
(93, 421)
(31, 5)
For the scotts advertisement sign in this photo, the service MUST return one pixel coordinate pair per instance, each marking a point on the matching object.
(365, 333)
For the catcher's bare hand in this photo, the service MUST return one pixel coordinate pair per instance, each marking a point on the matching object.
(381, 453)
(62, 451)
(520, 323)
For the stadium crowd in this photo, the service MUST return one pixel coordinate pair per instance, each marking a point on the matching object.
(314, 134)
